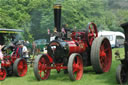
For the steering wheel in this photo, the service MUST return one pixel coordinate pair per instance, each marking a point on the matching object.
(91, 33)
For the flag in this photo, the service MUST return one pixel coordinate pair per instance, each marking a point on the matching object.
(48, 31)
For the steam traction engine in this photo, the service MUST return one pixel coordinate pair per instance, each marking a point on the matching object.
(12, 64)
(84, 48)
(122, 70)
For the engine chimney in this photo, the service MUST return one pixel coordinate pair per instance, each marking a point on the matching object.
(57, 17)
(125, 27)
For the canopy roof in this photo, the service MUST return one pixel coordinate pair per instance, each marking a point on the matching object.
(3, 30)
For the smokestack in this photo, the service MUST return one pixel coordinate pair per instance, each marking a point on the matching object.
(125, 27)
(57, 17)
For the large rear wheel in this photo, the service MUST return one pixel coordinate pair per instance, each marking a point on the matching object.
(121, 74)
(101, 55)
(75, 67)
(41, 67)
(3, 73)
(20, 67)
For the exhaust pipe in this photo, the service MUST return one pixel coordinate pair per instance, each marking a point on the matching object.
(57, 17)
(125, 27)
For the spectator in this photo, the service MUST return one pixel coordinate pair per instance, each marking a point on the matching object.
(25, 51)
(19, 49)
(34, 48)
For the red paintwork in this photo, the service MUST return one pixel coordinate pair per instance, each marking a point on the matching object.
(78, 68)
(79, 43)
(2, 74)
(50, 58)
(73, 48)
(22, 68)
(44, 68)
(58, 67)
(15, 55)
(105, 56)
(92, 33)
(10, 59)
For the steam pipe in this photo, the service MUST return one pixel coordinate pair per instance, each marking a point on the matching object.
(57, 17)
(125, 27)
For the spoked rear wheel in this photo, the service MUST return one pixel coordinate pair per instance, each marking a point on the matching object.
(121, 74)
(41, 67)
(101, 55)
(3, 73)
(20, 67)
(75, 66)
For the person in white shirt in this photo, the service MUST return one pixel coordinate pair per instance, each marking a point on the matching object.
(25, 51)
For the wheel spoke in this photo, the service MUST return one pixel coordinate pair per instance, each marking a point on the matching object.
(106, 49)
(40, 71)
(90, 35)
(101, 48)
(21, 63)
(74, 70)
(43, 60)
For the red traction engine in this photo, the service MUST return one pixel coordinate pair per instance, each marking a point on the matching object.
(12, 64)
(84, 48)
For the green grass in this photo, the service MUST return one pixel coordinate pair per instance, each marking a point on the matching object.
(89, 77)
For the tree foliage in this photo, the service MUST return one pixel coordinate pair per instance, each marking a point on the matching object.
(36, 16)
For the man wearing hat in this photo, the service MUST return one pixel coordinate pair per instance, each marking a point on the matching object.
(23, 51)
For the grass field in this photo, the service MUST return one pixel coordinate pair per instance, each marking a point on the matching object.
(89, 77)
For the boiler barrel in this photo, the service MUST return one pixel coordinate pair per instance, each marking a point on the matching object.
(75, 47)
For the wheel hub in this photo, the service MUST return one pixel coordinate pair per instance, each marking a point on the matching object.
(103, 54)
(43, 68)
(20, 67)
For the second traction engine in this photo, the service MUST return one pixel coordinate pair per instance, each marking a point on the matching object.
(71, 54)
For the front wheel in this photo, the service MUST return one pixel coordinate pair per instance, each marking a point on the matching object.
(3, 73)
(75, 66)
(121, 74)
(41, 67)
